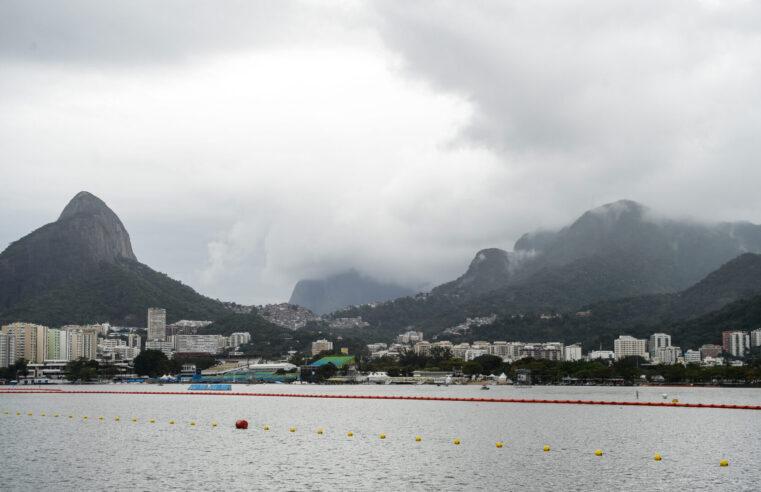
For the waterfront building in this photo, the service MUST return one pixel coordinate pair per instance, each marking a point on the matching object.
(626, 346)
(657, 341)
(321, 346)
(500, 349)
(83, 344)
(548, 351)
(59, 345)
(572, 352)
(710, 350)
(459, 350)
(161, 346)
(7, 350)
(156, 324)
(422, 348)
(601, 355)
(755, 338)
(27, 336)
(668, 355)
(692, 356)
(738, 343)
(473, 353)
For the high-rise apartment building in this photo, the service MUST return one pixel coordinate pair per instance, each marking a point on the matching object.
(626, 346)
(7, 350)
(59, 345)
(658, 341)
(27, 335)
(156, 324)
(320, 346)
(738, 343)
(755, 338)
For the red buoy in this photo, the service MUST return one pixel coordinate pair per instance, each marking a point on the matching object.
(241, 424)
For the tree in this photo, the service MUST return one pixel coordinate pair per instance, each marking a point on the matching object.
(151, 363)
(326, 371)
(472, 368)
(82, 369)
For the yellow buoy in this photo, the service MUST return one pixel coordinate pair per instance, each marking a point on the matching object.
(134, 420)
(214, 424)
(56, 415)
(319, 431)
(70, 416)
(42, 414)
(152, 421)
(293, 430)
(84, 417)
(675, 400)
(350, 434)
(266, 427)
(117, 419)
(724, 463)
(383, 436)
(657, 457)
(418, 439)
(598, 453)
(100, 418)
(546, 448)
(192, 423)
(171, 421)
(457, 441)
(30, 413)
(499, 444)
(18, 413)
(6, 412)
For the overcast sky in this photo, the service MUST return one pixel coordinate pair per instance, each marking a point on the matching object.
(246, 145)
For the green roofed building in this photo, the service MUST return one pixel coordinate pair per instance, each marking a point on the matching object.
(338, 361)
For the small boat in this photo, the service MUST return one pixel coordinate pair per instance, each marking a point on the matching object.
(484, 387)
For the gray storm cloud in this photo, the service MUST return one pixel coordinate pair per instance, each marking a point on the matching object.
(249, 145)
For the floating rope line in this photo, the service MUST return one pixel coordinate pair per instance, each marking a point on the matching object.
(382, 397)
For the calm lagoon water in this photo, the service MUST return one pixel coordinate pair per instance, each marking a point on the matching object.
(49, 453)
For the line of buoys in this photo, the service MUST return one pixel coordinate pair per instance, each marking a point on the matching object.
(381, 397)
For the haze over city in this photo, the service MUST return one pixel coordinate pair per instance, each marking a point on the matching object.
(246, 146)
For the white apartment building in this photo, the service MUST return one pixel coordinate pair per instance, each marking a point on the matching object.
(601, 355)
(692, 356)
(459, 350)
(738, 343)
(422, 348)
(572, 352)
(239, 338)
(473, 353)
(626, 346)
(668, 355)
(161, 346)
(83, 343)
(657, 341)
(156, 324)
(410, 337)
(199, 343)
(755, 338)
(321, 346)
(27, 336)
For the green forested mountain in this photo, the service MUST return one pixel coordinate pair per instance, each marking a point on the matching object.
(81, 269)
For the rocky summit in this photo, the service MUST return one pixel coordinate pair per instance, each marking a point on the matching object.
(82, 268)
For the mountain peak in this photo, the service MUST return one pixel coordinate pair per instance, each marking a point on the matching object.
(85, 202)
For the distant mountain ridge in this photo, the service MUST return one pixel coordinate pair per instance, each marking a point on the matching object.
(81, 268)
(324, 296)
(615, 251)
